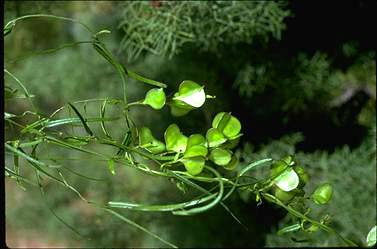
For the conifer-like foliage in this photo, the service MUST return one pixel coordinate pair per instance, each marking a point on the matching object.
(164, 27)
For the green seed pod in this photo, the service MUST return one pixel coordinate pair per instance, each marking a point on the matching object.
(310, 228)
(322, 194)
(178, 111)
(174, 139)
(232, 164)
(302, 175)
(288, 160)
(232, 143)
(277, 167)
(196, 139)
(195, 150)
(284, 196)
(190, 93)
(155, 98)
(229, 125)
(220, 156)
(156, 147)
(194, 165)
(149, 142)
(215, 138)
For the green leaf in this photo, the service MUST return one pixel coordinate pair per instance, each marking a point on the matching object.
(8, 115)
(78, 141)
(139, 227)
(215, 137)
(102, 115)
(322, 194)
(110, 164)
(288, 180)
(9, 27)
(161, 207)
(83, 121)
(289, 229)
(155, 98)
(194, 165)
(371, 238)
(144, 80)
(191, 94)
(174, 139)
(229, 125)
(220, 156)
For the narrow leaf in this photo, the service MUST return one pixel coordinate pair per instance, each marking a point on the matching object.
(81, 119)
(289, 229)
(110, 164)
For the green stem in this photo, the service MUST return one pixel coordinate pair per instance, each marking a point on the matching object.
(302, 216)
(49, 16)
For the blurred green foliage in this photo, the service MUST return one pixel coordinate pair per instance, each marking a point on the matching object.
(227, 48)
(350, 172)
(165, 27)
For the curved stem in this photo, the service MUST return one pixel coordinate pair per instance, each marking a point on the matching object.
(50, 16)
(243, 171)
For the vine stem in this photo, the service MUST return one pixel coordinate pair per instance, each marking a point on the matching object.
(303, 216)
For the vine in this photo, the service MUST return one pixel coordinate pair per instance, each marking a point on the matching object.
(188, 160)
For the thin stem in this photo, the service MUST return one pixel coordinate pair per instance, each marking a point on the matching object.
(302, 216)
(50, 16)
